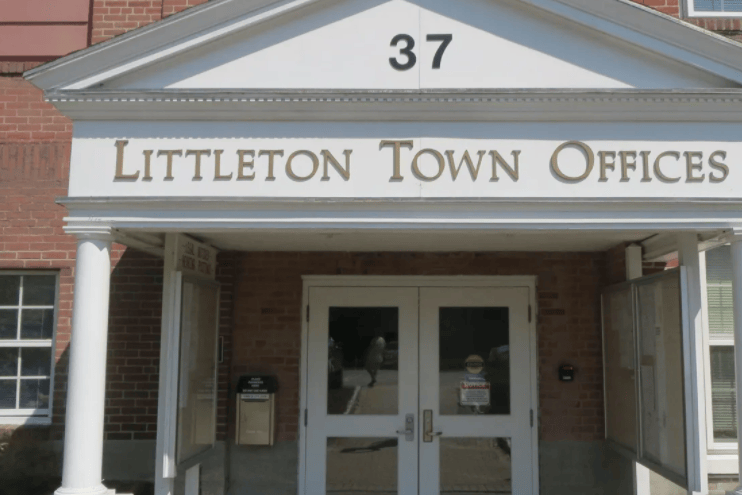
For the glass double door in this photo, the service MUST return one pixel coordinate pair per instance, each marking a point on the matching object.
(419, 391)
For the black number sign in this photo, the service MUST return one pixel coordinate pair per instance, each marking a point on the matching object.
(411, 58)
(445, 40)
(406, 51)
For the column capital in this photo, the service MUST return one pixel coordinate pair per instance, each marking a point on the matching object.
(91, 232)
(732, 236)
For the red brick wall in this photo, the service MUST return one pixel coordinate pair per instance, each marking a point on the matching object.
(34, 163)
(134, 325)
(670, 7)
(132, 376)
(26, 118)
(32, 175)
(41, 30)
(267, 312)
(35, 142)
(114, 17)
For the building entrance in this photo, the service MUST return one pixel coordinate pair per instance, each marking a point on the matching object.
(419, 390)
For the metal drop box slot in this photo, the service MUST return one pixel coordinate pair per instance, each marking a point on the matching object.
(256, 410)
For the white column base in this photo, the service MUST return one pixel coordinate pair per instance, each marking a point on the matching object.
(90, 491)
(95, 490)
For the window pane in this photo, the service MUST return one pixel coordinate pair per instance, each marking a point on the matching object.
(475, 465)
(723, 395)
(34, 394)
(7, 394)
(9, 290)
(363, 361)
(474, 361)
(361, 466)
(8, 324)
(197, 404)
(719, 291)
(36, 361)
(37, 324)
(733, 6)
(8, 361)
(661, 388)
(38, 290)
(708, 5)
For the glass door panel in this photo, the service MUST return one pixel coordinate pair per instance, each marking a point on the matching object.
(474, 350)
(362, 390)
(474, 360)
(363, 361)
(362, 465)
(475, 465)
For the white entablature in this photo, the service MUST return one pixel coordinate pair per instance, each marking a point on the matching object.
(425, 100)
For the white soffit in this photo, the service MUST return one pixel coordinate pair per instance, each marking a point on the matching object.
(345, 44)
(442, 241)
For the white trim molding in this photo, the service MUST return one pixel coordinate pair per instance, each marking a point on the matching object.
(186, 214)
(612, 105)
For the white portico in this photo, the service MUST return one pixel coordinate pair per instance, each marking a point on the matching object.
(396, 126)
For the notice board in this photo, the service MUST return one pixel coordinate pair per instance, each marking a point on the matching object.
(646, 354)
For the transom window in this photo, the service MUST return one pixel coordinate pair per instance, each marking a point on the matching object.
(728, 8)
(27, 322)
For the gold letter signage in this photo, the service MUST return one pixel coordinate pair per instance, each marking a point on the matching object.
(401, 160)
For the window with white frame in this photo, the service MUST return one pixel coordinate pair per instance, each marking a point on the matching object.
(28, 302)
(715, 8)
(721, 348)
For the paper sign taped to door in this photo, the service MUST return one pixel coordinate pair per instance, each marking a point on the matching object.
(475, 393)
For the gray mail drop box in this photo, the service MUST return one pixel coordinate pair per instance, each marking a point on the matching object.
(256, 410)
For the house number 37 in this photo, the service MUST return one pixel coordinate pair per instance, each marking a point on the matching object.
(407, 59)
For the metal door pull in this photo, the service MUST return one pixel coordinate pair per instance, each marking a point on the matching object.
(428, 432)
(409, 428)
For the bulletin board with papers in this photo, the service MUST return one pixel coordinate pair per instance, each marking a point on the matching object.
(646, 351)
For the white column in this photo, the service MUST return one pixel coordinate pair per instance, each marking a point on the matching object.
(688, 256)
(83, 438)
(736, 249)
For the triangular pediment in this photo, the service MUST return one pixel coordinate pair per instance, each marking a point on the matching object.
(361, 44)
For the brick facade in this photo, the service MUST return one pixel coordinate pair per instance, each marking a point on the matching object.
(268, 322)
(114, 17)
(265, 288)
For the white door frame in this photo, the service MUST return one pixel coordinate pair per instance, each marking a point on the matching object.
(450, 281)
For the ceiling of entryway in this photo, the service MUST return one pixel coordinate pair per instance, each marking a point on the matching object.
(411, 240)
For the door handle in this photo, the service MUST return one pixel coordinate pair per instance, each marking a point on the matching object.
(409, 428)
(428, 432)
